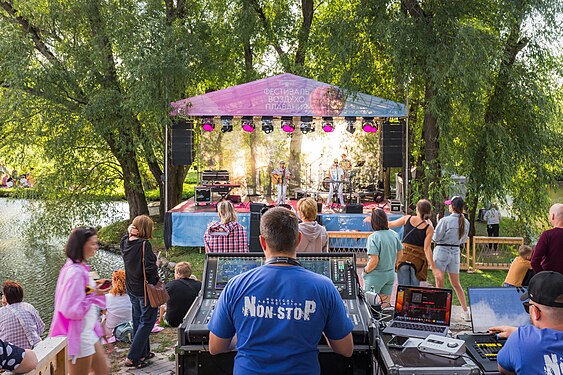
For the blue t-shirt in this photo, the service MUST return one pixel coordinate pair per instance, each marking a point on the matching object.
(279, 314)
(531, 350)
(385, 244)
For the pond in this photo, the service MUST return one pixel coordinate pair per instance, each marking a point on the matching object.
(36, 264)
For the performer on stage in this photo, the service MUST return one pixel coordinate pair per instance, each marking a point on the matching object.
(346, 166)
(336, 175)
(280, 177)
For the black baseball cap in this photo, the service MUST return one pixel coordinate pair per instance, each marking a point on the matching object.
(546, 288)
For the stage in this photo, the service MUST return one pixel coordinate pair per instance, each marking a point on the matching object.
(186, 223)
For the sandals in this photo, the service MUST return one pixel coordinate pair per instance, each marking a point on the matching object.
(136, 364)
(149, 356)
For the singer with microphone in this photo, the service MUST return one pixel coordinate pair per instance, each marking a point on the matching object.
(275, 314)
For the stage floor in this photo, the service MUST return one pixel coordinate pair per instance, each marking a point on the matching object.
(186, 223)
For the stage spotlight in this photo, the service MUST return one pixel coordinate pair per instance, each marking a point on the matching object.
(350, 124)
(207, 124)
(287, 124)
(267, 124)
(306, 124)
(369, 125)
(248, 124)
(226, 124)
(328, 125)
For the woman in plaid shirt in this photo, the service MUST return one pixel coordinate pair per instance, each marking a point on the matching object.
(226, 236)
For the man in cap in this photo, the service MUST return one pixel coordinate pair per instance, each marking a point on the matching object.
(536, 348)
(548, 253)
(336, 175)
(280, 178)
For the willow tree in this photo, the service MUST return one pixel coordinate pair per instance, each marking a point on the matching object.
(98, 75)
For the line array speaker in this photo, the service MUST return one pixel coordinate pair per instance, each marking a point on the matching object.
(393, 135)
(182, 142)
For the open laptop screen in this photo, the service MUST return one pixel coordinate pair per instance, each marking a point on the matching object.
(423, 305)
(496, 306)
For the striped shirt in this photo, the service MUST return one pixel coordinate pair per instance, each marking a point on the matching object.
(11, 328)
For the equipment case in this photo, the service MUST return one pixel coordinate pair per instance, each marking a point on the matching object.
(411, 361)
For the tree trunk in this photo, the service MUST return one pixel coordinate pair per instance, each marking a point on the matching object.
(387, 183)
(132, 184)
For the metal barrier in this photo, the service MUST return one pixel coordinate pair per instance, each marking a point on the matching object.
(349, 242)
(52, 357)
(494, 253)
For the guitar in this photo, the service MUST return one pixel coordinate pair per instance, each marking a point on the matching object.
(277, 179)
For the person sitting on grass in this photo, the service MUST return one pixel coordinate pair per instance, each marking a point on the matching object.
(183, 290)
(118, 304)
(519, 267)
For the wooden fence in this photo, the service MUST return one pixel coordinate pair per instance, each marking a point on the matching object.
(480, 253)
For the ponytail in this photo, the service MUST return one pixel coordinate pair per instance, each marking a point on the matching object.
(424, 209)
(461, 230)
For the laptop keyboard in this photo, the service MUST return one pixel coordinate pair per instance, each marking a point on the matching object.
(487, 347)
(417, 326)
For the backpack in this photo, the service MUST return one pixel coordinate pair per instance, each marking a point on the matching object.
(124, 332)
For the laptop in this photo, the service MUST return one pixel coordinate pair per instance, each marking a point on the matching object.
(421, 311)
(492, 307)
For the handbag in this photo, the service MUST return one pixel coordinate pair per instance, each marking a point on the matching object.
(158, 295)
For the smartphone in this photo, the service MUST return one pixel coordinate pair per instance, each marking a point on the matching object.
(397, 342)
(106, 284)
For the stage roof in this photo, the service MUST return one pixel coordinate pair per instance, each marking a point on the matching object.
(287, 95)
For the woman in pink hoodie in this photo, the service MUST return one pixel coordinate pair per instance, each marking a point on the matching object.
(78, 299)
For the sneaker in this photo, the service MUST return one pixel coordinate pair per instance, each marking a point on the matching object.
(467, 316)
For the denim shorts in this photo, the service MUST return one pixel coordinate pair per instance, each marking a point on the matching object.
(447, 259)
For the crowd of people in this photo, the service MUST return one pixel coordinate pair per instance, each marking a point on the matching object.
(88, 310)
(11, 179)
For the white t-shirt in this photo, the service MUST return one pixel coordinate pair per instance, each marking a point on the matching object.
(492, 216)
(119, 310)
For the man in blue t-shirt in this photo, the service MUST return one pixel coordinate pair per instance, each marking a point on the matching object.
(536, 348)
(280, 310)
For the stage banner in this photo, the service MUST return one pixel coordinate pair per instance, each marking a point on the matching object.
(287, 95)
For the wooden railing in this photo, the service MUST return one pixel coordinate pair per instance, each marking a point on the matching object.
(355, 242)
(493, 253)
(52, 357)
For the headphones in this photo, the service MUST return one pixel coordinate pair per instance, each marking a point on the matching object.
(286, 260)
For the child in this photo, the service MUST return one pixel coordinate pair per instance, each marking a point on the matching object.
(520, 265)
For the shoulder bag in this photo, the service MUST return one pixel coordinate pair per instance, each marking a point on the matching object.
(157, 294)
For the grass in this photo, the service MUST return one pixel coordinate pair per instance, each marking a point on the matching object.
(479, 278)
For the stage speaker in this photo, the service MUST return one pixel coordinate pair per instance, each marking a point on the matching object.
(182, 142)
(354, 209)
(393, 136)
(255, 215)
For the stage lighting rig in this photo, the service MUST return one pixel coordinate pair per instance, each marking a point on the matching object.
(368, 125)
(287, 124)
(306, 124)
(328, 124)
(350, 124)
(248, 124)
(207, 124)
(267, 124)
(226, 124)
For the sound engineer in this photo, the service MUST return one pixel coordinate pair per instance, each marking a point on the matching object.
(279, 311)
(536, 348)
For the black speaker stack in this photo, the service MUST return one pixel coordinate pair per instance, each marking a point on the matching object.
(255, 215)
(393, 135)
(182, 140)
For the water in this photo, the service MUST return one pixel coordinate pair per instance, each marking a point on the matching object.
(35, 264)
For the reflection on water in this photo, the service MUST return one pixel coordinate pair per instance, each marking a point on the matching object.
(34, 263)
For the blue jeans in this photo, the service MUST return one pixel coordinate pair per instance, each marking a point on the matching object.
(144, 318)
(406, 275)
